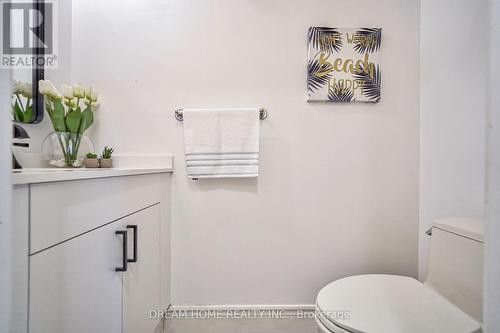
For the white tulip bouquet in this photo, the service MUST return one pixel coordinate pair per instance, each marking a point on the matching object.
(71, 113)
(22, 105)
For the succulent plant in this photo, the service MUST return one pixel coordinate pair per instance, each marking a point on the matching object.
(107, 152)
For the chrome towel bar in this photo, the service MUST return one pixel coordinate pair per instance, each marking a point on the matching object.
(179, 116)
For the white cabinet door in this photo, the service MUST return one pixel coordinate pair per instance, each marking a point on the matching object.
(141, 282)
(74, 286)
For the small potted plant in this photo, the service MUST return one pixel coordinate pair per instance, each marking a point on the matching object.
(91, 160)
(106, 161)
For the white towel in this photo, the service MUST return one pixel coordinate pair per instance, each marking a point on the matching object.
(221, 143)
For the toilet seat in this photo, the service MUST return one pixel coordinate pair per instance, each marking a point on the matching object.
(389, 304)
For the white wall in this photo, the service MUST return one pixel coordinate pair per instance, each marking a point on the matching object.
(338, 190)
(492, 299)
(453, 73)
(5, 201)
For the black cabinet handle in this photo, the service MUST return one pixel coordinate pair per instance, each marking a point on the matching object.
(134, 228)
(124, 251)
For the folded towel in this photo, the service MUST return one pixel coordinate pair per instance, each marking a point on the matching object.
(221, 143)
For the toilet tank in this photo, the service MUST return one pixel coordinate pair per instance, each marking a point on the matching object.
(455, 268)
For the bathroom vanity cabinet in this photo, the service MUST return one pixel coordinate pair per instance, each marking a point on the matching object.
(93, 254)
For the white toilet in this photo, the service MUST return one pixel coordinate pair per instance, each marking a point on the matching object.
(450, 300)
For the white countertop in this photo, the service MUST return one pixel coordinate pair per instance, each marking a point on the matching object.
(31, 176)
(125, 166)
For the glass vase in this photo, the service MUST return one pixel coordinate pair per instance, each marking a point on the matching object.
(65, 149)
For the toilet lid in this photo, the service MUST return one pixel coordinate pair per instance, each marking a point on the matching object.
(390, 304)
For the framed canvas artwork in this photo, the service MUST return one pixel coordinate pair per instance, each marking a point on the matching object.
(344, 64)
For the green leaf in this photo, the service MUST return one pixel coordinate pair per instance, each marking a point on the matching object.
(87, 119)
(48, 107)
(14, 115)
(107, 152)
(58, 117)
(28, 115)
(18, 113)
(73, 121)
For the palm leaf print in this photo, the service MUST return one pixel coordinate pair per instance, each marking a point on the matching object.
(318, 35)
(371, 86)
(369, 41)
(315, 79)
(340, 94)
